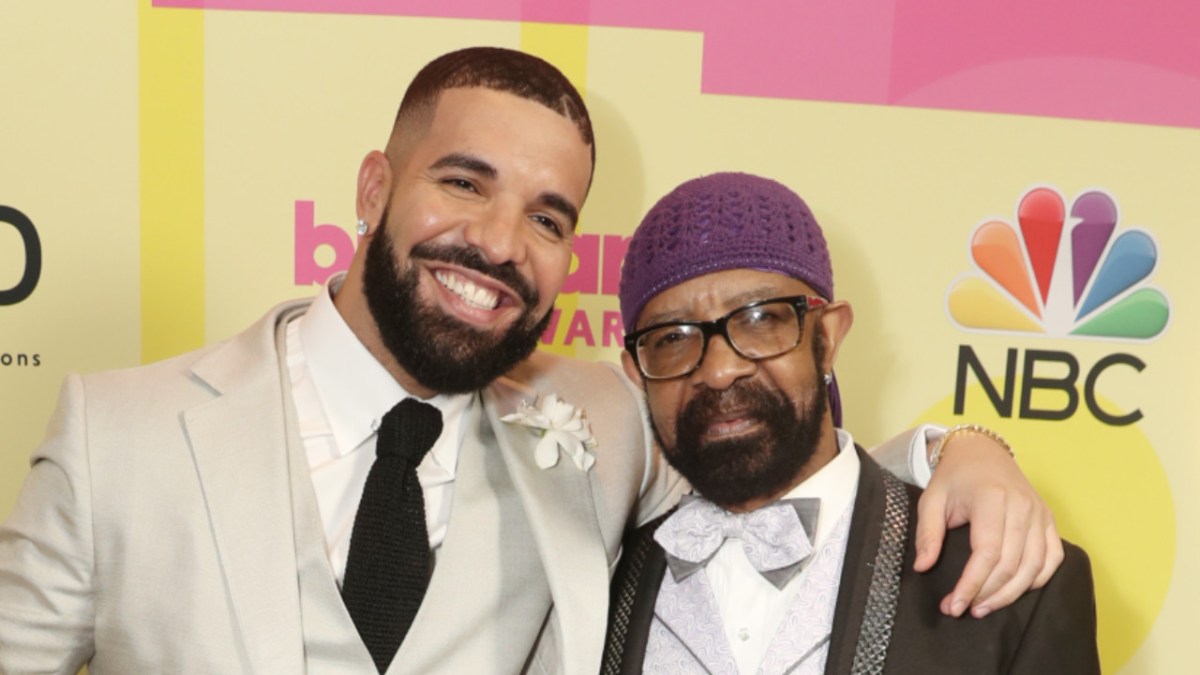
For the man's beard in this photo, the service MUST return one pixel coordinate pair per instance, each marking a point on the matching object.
(439, 351)
(759, 465)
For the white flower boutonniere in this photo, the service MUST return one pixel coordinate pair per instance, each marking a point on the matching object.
(562, 428)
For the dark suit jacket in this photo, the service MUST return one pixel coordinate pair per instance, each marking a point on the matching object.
(1051, 630)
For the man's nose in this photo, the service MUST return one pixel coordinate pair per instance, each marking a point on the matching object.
(499, 233)
(722, 365)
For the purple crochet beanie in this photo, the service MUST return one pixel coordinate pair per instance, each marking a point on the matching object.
(720, 222)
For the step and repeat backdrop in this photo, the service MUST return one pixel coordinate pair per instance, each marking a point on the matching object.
(1010, 191)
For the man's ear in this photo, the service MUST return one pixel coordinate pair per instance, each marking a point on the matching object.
(631, 370)
(374, 188)
(834, 324)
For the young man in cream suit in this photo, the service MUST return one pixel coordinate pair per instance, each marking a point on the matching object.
(195, 515)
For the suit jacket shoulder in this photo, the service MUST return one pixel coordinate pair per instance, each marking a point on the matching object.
(1047, 630)
(1052, 629)
(252, 353)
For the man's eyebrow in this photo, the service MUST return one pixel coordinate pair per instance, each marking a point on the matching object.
(755, 294)
(559, 203)
(740, 299)
(459, 160)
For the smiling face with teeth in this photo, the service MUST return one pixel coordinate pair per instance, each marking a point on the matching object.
(474, 209)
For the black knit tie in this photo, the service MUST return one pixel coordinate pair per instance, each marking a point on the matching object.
(387, 569)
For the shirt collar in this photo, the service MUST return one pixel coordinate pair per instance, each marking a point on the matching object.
(835, 484)
(354, 388)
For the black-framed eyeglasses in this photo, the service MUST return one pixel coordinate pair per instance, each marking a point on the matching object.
(756, 331)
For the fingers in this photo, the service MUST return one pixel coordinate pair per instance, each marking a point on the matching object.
(1021, 557)
(1014, 542)
(931, 528)
(1028, 554)
(987, 544)
(1054, 554)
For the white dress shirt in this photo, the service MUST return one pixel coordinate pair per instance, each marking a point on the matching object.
(751, 607)
(341, 393)
(918, 457)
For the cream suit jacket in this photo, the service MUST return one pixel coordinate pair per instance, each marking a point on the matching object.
(161, 528)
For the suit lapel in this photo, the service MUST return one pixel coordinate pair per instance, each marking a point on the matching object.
(856, 569)
(642, 615)
(631, 606)
(859, 569)
(239, 442)
(560, 507)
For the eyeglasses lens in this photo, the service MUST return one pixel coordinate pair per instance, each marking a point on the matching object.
(757, 332)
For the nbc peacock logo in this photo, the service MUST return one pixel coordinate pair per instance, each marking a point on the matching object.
(1074, 271)
(1062, 279)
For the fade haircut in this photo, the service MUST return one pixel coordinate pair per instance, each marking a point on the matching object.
(507, 70)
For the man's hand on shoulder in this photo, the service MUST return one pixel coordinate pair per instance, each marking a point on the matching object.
(1014, 543)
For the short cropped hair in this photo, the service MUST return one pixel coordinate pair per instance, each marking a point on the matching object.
(506, 70)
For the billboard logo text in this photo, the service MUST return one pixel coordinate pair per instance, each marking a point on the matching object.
(33, 256)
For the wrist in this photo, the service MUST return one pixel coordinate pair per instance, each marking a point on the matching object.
(939, 449)
(925, 438)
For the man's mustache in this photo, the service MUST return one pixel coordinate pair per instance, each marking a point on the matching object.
(470, 258)
(750, 399)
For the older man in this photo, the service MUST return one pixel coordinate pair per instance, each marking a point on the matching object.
(350, 485)
(796, 554)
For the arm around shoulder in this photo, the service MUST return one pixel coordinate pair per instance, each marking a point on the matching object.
(46, 552)
(1014, 543)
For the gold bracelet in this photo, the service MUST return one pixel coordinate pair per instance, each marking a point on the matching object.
(936, 455)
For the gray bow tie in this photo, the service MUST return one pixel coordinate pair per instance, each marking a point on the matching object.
(777, 538)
